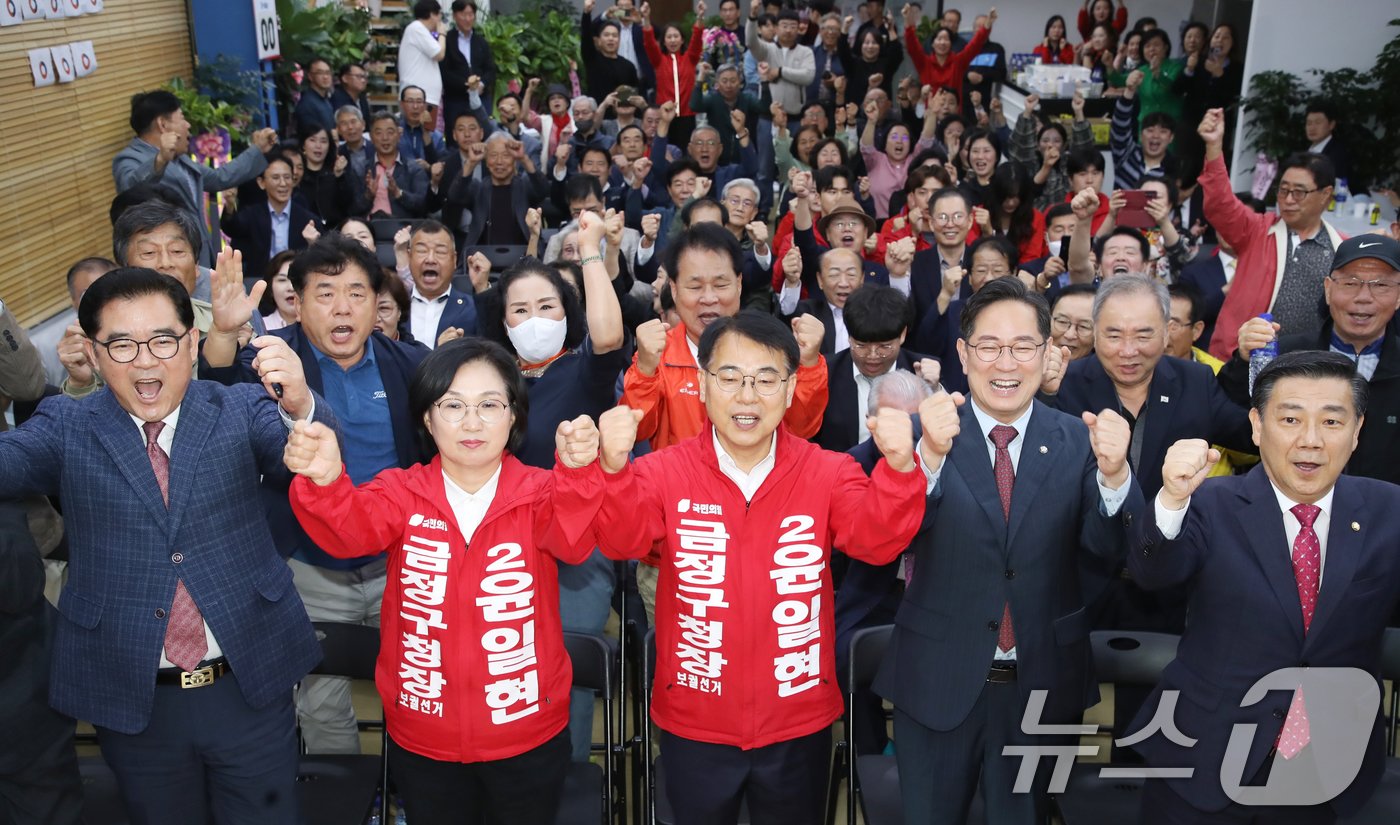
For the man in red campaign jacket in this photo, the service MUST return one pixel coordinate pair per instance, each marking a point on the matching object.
(746, 514)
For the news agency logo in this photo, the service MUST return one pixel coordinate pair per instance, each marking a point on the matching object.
(1342, 704)
(430, 523)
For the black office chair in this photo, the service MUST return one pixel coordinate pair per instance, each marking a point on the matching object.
(384, 251)
(1120, 658)
(588, 787)
(872, 780)
(340, 789)
(501, 257)
(657, 805)
(384, 229)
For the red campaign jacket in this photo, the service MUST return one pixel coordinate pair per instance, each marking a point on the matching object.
(472, 665)
(745, 639)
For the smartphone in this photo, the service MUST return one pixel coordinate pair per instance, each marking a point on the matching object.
(1134, 212)
(1063, 254)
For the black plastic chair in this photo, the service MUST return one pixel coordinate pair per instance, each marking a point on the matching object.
(872, 780)
(339, 789)
(384, 229)
(588, 787)
(1120, 658)
(501, 257)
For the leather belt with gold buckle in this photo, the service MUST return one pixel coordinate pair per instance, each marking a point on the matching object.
(199, 677)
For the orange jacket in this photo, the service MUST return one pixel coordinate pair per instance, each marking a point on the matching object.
(671, 397)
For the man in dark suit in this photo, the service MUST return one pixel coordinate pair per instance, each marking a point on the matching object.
(176, 593)
(1230, 541)
(993, 609)
(39, 781)
(394, 186)
(1209, 275)
(1164, 399)
(354, 81)
(1320, 127)
(876, 320)
(500, 200)
(364, 379)
(259, 230)
(436, 307)
(1363, 293)
(467, 56)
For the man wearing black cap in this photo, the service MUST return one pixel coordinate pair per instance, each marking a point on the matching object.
(1362, 293)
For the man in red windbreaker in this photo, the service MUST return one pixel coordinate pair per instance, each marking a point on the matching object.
(746, 514)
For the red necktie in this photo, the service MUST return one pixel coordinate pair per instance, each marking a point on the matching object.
(185, 644)
(1001, 436)
(1307, 569)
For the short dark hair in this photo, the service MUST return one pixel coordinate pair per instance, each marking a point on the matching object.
(580, 187)
(1087, 290)
(789, 14)
(140, 193)
(705, 237)
(1194, 24)
(919, 175)
(941, 131)
(607, 23)
(825, 178)
(382, 114)
(331, 255)
(766, 19)
(1173, 193)
(1059, 210)
(473, 115)
(948, 192)
(463, 5)
(1191, 295)
(144, 217)
(594, 149)
(435, 374)
(840, 150)
(704, 203)
(999, 244)
(1324, 174)
(147, 106)
(494, 327)
(877, 313)
(423, 9)
(1322, 106)
(1163, 119)
(405, 89)
(1084, 160)
(310, 64)
(129, 283)
(685, 164)
(353, 64)
(88, 265)
(1127, 232)
(759, 327)
(974, 135)
(428, 226)
(1004, 289)
(723, 3)
(1312, 364)
(1156, 34)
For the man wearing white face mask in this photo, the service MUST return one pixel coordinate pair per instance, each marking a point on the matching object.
(437, 311)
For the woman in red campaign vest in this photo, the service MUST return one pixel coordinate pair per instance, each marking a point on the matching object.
(472, 669)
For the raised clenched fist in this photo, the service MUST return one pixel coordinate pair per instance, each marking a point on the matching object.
(1186, 465)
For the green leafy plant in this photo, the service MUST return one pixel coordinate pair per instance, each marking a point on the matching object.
(334, 32)
(224, 80)
(538, 41)
(1277, 100)
(208, 115)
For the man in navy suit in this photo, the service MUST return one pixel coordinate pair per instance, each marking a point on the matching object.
(436, 307)
(364, 378)
(1290, 566)
(993, 609)
(876, 320)
(1164, 399)
(181, 634)
(260, 230)
(467, 55)
(1210, 275)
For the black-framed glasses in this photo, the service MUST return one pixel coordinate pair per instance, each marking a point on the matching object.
(125, 350)
(1381, 290)
(454, 410)
(1290, 193)
(1021, 350)
(765, 382)
(1061, 324)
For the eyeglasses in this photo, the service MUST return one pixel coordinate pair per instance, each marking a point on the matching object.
(1293, 193)
(706, 142)
(846, 224)
(125, 350)
(1381, 290)
(1060, 325)
(873, 349)
(741, 203)
(489, 411)
(765, 382)
(955, 217)
(1021, 350)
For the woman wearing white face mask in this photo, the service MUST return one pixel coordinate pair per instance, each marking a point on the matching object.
(570, 360)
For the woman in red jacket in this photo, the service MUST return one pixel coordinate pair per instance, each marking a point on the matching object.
(675, 66)
(472, 668)
(1055, 48)
(1102, 11)
(941, 68)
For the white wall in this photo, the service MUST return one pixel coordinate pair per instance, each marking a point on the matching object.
(1021, 23)
(1298, 35)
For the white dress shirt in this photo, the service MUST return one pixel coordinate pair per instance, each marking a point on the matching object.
(1227, 263)
(1170, 522)
(166, 440)
(424, 316)
(748, 482)
(1317, 148)
(863, 386)
(470, 508)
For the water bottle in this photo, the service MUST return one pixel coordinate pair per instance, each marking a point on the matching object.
(1340, 193)
(1260, 358)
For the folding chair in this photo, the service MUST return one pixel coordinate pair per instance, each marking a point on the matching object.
(588, 787)
(1120, 658)
(339, 789)
(872, 780)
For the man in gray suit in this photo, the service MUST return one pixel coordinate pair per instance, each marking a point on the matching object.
(160, 154)
(993, 610)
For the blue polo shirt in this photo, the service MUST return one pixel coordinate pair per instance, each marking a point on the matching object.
(361, 407)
